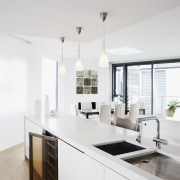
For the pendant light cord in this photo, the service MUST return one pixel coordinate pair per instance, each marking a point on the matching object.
(62, 54)
(79, 47)
(103, 37)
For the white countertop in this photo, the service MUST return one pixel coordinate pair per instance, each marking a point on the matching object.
(84, 133)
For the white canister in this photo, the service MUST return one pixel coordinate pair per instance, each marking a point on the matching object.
(46, 105)
(38, 107)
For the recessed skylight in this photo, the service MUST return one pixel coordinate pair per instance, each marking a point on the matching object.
(124, 51)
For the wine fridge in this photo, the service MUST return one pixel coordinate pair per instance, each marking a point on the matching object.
(43, 157)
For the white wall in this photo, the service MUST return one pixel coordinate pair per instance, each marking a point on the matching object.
(34, 77)
(12, 123)
(67, 84)
(35, 56)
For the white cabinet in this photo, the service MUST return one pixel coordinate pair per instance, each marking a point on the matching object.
(92, 170)
(72, 163)
(112, 175)
(29, 127)
(69, 162)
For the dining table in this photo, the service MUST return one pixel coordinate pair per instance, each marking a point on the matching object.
(89, 112)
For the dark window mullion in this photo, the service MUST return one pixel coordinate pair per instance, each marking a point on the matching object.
(57, 83)
(152, 89)
(125, 88)
(113, 80)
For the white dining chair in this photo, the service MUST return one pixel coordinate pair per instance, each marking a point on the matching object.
(98, 104)
(74, 110)
(105, 113)
(86, 106)
(133, 111)
(119, 111)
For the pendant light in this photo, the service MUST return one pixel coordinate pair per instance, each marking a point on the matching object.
(79, 65)
(103, 61)
(62, 69)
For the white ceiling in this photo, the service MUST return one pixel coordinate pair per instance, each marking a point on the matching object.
(153, 26)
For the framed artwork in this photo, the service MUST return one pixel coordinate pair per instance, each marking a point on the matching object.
(87, 82)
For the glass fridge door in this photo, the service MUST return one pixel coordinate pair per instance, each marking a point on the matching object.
(43, 160)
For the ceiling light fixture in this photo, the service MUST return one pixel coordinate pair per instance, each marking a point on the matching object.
(124, 51)
(103, 61)
(62, 69)
(79, 65)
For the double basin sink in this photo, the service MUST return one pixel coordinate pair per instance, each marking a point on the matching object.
(155, 163)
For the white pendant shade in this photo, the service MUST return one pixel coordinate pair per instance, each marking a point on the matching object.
(103, 61)
(62, 69)
(79, 65)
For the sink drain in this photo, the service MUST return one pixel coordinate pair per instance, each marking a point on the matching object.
(145, 161)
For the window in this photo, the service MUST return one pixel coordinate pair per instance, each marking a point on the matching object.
(49, 82)
(139, 86)
(166, 85)
(152, 84)
(118, 84)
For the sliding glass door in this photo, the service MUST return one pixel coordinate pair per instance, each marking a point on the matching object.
(166, 86)
(139, 86)
(118, 85)
(152, 84)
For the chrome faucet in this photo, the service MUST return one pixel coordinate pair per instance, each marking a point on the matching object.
(156, 139)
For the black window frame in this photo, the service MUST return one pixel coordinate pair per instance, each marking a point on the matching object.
(125, 66)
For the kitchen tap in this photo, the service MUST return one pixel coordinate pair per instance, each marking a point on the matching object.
(157, 139)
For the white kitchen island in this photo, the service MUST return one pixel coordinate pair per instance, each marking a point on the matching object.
(78, 159)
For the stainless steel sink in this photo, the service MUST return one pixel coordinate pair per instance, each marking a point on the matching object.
(117, 148)
(158, 164)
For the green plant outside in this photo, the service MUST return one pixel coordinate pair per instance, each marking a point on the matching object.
(173, 105)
